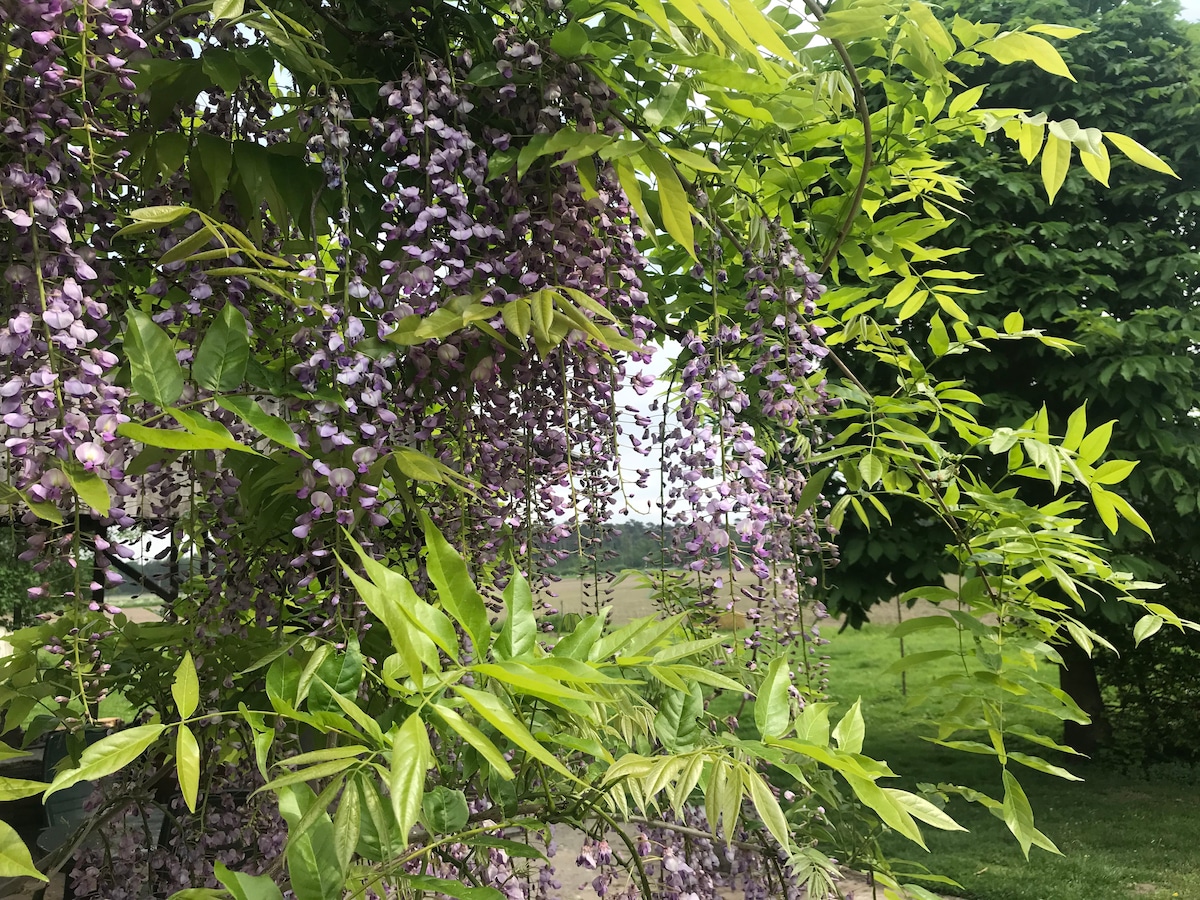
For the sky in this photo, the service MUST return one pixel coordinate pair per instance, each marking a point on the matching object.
(1191, 10)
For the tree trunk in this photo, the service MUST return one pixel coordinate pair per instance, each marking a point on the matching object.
(1078, 679)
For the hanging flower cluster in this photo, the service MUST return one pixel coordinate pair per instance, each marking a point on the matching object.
(455, 322)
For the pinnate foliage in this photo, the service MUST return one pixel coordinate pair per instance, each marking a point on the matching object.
(340, 304)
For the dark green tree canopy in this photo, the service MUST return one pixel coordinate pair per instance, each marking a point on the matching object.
(1114, 269)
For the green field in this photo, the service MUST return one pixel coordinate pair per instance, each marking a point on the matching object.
(1124, 834)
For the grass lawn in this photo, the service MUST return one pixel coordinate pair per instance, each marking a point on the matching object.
(1123, 834)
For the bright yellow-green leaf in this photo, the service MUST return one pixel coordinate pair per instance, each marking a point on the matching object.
(939, 340)
(1128, 513)
(1097, 164)
(185, 689)
(772, 710)
(1139, 154)
(1105, 506)
(923, 810)
(1092, 447)
(1076, 428)
(227, 9)
(411, 758)
(965, 101)
(851, 730)
(760, 28)
(720, 14)
(15, 859)
(768, 809)
(91, 488)
(673, 201)
(1019, 46)
(1062, 32)
(1114, 471)
(1147, 626)
(187, 765)
(19, 788)
(476, 739)
(1030, 140)
(1056, 159)
(502, 719)
(933, 31)
(107, 756)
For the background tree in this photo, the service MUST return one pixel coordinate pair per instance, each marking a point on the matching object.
(1115, 270)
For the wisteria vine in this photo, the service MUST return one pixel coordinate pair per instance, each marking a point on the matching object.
(462, 224)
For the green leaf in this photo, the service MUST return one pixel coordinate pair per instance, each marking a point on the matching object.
(772, 707)
(1093, 446)
(15, 859)
(339, 673)
(500, 717)
(1056, 160)
(669, 107)
(1076, 428)
(155, 372)
(411, 759)
(456, 591)
(677, 723)
(151, 218)
(246, 887)
(762, 29)
(173, 439)
(1063, 32)
(445, 810)
(1040, 765)
(633, 191)
(1097, 163)
(887, 808)
(187, 765)
(211, 161)
(519, 631)
(939, 339)
(871, 469)
(673, 201)
(768, 809)
(311, 851)
(570, 41)
(922, 809)
(195, 243)
(108, 755)
(91, 488)
(377, 828)
(1147, 626)
(1016, 46)
(185, 688)
(1139, 154)
(850, 732)
(19, 788)
(518, 318)
(223, 355)
(452, 888)
(1114, 471)
(476, 738)
(1018, 816)
(269, 426)
(227, 9)
(1128, 513)
(347, 824)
